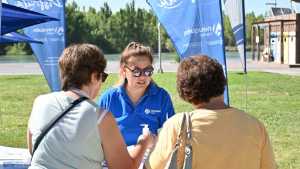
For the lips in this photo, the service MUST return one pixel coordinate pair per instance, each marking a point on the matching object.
(141, 83)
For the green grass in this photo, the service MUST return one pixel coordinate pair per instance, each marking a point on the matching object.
(272, 98)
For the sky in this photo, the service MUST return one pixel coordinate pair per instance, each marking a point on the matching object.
(257, 6)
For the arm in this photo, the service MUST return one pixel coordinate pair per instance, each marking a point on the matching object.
(267, 155)
(115, 150)
(166, 141)
(29, 142)
(31, 122)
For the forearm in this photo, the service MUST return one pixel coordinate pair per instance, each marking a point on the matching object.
(138, 152)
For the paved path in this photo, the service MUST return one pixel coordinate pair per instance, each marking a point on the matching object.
(168, 66)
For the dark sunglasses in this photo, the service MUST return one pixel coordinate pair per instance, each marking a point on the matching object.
(103, 76)
(137, 72)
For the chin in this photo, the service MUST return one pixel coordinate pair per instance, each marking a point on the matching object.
(142, 86)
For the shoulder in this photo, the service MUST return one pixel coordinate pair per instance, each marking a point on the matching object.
(243, 115)
(174, 121)
(107, 94)
(157, 90)
(46, 99)
(110, 92)
(110, 96)
(248, 121)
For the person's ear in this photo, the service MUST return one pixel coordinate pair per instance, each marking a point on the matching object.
(94, 77)
(123, 71)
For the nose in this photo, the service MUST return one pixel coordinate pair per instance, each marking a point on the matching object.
(143, 76)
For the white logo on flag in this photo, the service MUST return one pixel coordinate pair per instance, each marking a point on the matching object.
(170, 3)
(42, 5)
(218, 29)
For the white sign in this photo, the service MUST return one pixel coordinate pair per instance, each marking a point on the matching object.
(257, 39)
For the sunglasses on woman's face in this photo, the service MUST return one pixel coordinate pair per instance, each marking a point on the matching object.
(103, 76)
(137, 72)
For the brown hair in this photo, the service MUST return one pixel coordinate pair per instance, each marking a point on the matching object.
(135, 49)
(200, 78)
(78, 62)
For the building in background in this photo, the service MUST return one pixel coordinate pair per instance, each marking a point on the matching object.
(277, 37)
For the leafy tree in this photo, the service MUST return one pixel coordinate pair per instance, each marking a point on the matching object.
(113, 31)
(228, 34)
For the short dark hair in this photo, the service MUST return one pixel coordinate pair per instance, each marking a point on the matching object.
(200, 78)
(78, 62)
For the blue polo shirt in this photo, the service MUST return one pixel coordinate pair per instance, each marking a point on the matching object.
(154, 108)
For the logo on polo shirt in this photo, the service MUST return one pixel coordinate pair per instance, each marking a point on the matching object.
(152, 111)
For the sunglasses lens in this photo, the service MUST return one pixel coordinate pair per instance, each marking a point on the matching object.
(148, 73)
(137, 73)
(104, 77)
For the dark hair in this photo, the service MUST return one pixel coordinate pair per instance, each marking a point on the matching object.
(135, 49)
(200, 78)
(78, 62)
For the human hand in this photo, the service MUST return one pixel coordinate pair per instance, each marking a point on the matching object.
(148, 139)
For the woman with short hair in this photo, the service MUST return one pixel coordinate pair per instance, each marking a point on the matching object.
(222, 137)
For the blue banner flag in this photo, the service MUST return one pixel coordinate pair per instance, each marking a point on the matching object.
(236, 12)
(14, 18)
(51, 34)
(194, 26)
(15, 37)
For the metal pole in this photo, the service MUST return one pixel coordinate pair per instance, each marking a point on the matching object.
(160, 70)
(0, 17)
(245, 38)
(257, 44)
(0, 35)
(253, 42)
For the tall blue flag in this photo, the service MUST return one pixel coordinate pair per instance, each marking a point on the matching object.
(194, 26)
(14, 37)
(235, 10)
(51, 34)
(14, 18)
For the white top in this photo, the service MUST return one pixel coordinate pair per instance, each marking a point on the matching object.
(73, 142)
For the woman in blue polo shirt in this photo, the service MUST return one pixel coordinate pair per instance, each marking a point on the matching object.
(138, 101)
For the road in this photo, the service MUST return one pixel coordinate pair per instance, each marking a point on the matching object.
(167, 65)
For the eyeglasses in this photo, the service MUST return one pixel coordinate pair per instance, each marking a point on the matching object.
(103, 76)
(137, 72)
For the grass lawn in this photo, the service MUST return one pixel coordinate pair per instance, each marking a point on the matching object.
(273, 98)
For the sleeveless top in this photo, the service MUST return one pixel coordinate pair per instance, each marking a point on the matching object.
(74, 141)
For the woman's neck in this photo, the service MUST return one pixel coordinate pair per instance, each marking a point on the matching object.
(134, 94)
(213, 104)
(76, 93)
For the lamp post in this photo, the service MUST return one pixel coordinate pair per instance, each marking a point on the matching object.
(0, 17)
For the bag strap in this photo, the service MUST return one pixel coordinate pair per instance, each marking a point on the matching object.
(188, 158)
(46, 130)
(172, 164)
(181, 132)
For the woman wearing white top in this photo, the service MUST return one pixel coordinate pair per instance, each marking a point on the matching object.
(84, 136)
